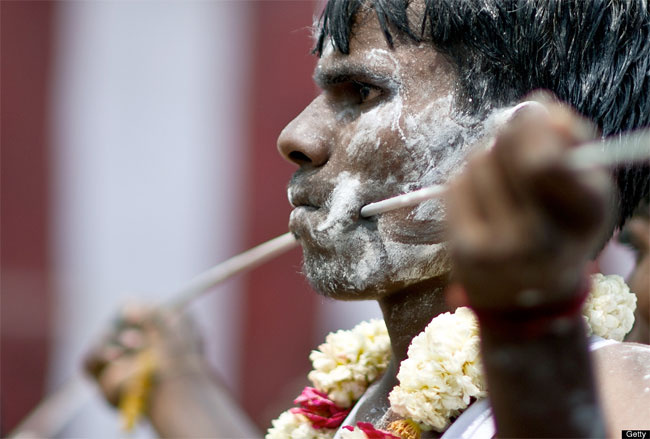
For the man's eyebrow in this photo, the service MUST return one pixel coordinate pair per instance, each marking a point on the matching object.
(325, 76)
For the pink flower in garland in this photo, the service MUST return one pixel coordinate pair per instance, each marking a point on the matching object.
(321, 411)
(371, 432)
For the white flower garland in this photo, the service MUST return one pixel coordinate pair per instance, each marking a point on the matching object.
(609, 309)
(356, 433)
(344, 366)
(295, 426)
(442, 372)
(349, 361)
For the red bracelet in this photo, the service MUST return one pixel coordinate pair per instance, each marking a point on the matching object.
(535, 321)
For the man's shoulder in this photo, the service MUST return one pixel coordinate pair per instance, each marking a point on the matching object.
(631, 360)
(623, 351)
(623, 375)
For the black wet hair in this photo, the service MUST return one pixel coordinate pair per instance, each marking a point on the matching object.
(592, 54)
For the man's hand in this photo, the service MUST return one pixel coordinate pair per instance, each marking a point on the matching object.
(187, 399)
(522, 222)
(522, 226)
(170, 337)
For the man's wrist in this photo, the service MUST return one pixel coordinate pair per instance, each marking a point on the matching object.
(531, 321)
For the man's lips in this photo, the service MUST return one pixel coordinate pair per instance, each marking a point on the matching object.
(312, 200)
(318, 195)
(310, 216)
(306, 204)
(300, 197)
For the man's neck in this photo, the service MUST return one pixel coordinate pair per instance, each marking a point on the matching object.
(408, 311)
(406, 314)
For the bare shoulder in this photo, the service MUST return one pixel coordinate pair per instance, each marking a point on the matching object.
(623, 375)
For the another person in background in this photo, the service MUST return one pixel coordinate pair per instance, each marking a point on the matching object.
(637, 234)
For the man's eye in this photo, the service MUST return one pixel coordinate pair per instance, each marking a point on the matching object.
(350, 92)
(366, 92)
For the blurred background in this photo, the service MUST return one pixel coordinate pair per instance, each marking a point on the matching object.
(138, 149)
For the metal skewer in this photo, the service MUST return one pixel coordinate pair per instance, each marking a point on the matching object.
(56, 409)
(611, 152)
(404, 200)
(242, 262)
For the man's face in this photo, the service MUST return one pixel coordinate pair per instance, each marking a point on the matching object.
(382, 125)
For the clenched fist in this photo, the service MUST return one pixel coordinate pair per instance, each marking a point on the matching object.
(522, 221)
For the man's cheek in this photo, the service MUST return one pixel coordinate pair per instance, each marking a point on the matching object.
(379, 159)
(402, 227)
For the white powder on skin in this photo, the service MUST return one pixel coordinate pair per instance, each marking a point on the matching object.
(367, 132)
(381, 115)
(369, 261)
(448, 135)
(405, 142)
(342, 201)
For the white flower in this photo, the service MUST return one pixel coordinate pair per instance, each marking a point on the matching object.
(357, 433)
(609, 309)
(442, 371)
(292, 426)
(349, 361)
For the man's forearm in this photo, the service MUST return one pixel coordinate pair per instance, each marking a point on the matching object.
(541, 385)
(197, 406)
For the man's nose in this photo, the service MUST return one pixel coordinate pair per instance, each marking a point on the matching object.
(306, 141)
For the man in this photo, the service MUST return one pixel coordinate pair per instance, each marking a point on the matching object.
(409, 90)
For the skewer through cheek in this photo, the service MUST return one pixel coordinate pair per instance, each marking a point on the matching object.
(612, 152)
(609, 153)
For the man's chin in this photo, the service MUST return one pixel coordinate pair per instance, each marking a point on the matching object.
(340, 283)
(342, 291)
(361, 264)
(333, 281)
